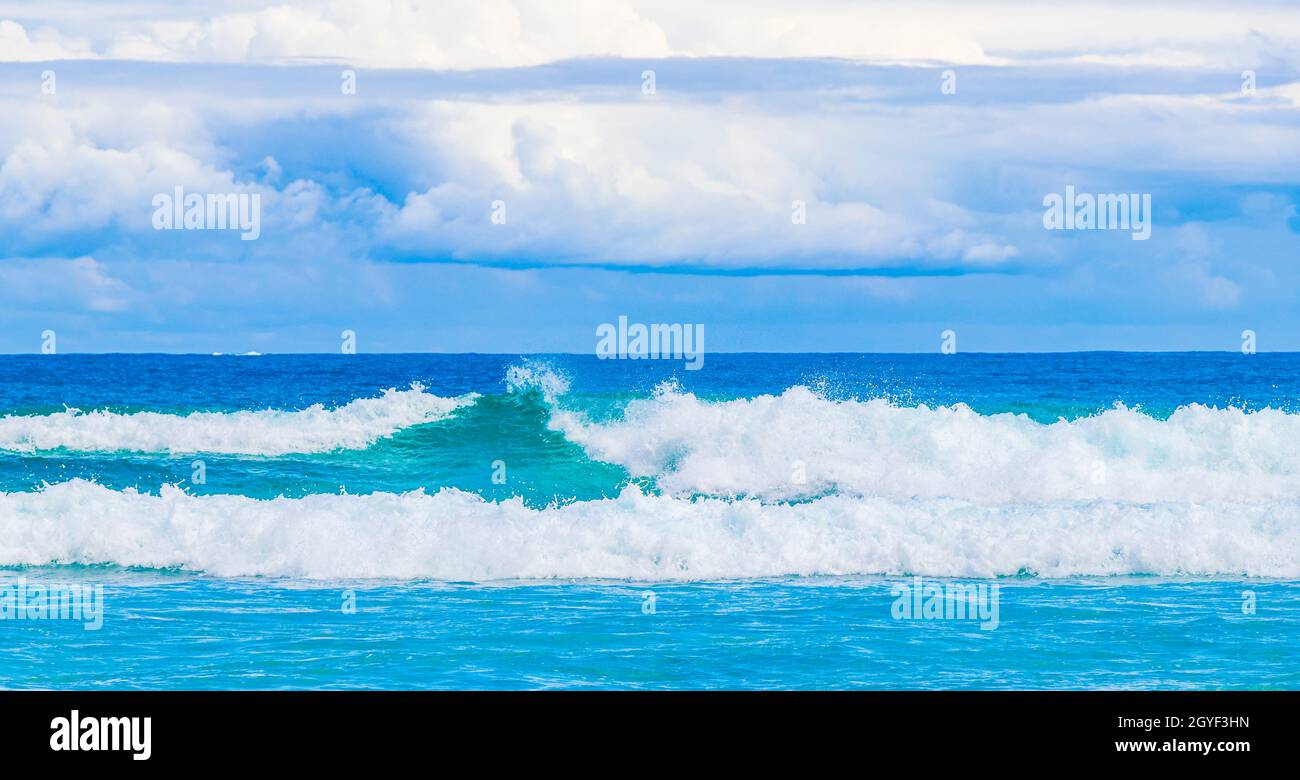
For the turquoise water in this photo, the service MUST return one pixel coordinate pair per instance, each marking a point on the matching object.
(560, 521)
(168, 631)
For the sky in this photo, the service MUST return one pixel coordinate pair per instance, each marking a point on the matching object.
(506, 175)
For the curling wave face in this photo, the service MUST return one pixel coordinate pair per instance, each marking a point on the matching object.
(454, 535)
(355, 425)
(799, 445)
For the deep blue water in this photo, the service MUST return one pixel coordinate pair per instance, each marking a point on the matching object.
(1044, 385)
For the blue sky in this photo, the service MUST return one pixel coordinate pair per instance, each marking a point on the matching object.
(923, 205)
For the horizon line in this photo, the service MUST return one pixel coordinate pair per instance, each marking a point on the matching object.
(648, 358)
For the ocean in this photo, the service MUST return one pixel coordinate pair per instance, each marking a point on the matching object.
(423, 521)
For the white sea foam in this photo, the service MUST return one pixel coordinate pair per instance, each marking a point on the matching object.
(453, 535)
(763, 447)
(355, 425)
(536, 377)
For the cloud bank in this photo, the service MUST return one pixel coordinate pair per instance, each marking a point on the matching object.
(397, 149)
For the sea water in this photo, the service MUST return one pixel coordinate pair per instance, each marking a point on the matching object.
(559, 521)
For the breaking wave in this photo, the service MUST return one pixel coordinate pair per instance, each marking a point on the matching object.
(354, 425)
(454, 535)
(799, 445)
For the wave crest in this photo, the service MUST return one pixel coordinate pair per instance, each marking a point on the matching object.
(800, 445)
(355, 425)
(453, 535)
(536, 378)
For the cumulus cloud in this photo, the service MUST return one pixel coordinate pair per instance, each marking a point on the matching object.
(647, 184)
(771, 167)
(710, 180)
(17, 45)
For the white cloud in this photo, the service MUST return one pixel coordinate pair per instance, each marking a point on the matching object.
(454, 34)
(1214, 290)
(493, 33)
(57, 186)
(55, 284)
(645, 184)
(16, 45)
(704, 179)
